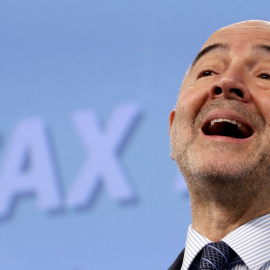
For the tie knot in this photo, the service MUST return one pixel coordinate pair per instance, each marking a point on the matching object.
(216, 256)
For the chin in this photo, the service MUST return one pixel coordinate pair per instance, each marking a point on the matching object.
(225, 183)
(220, 166)
(220, 172)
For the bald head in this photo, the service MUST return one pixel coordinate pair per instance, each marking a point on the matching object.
(251, 25)
(230, 77)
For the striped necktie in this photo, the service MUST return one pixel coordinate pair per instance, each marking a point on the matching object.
(215, 256)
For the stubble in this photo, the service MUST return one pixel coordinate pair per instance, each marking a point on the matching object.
(217, 179)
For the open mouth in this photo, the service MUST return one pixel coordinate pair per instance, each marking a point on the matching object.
(228, 128)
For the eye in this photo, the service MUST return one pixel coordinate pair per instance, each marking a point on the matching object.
(264, 76)
(206, 73)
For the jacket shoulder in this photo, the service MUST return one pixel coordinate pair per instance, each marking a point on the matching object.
(178, 262)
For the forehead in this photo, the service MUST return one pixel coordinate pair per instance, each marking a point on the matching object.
(242, 34)
(238, 39)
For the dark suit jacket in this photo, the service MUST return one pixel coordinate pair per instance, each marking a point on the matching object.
(178, 262)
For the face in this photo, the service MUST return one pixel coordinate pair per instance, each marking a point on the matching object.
(220, 127)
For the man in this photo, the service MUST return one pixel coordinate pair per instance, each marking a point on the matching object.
(220, 140)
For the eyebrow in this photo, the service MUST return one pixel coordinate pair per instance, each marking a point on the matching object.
(210, 48)
(262, 47)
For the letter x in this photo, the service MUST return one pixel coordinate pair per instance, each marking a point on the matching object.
(102, 163)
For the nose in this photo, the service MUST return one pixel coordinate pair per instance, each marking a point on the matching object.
(231, 86)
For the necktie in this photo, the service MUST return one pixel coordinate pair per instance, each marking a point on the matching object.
(215, 256)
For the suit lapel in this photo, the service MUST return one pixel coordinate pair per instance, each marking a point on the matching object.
(178, 262)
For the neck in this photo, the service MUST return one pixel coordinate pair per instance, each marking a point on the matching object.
(214, 216)
(215, 222)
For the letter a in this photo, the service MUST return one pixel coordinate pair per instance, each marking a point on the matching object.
(28, 168)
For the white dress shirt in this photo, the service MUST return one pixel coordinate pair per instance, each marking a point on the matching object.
(251, 242)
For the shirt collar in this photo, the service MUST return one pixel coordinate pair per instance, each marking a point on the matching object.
(194, 243)
(250, 241)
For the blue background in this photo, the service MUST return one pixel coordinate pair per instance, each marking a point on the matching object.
(61, 57)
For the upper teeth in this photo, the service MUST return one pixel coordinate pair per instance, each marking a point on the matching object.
(225, 120)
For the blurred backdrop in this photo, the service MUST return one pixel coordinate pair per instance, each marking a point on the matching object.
(86, 179)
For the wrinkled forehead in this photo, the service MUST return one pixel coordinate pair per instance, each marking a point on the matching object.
(242, 33)
(239, 39)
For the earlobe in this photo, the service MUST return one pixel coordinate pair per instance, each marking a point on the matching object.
(172, 115)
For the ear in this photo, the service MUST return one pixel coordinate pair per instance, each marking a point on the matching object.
(172, 115)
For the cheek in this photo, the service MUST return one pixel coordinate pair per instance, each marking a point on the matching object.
(263, 104)
(191, 100)
(260, 96)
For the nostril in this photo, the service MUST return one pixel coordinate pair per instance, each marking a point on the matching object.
(238, 92)
(218, 91)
